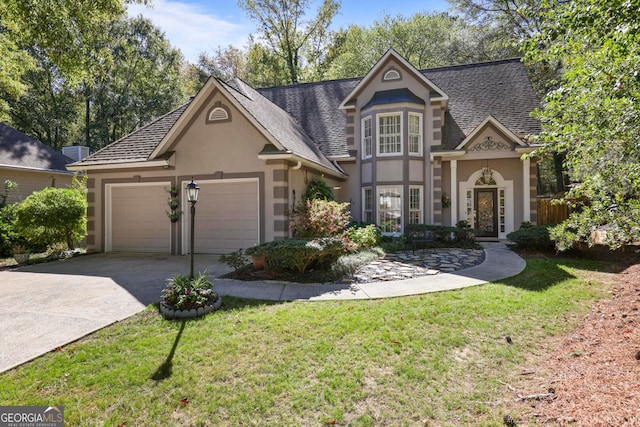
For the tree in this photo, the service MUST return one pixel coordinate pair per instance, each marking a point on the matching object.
(62, 30)
(287, 33)
(140, 82)
(594, 114)
(424, 39)
(54, 215)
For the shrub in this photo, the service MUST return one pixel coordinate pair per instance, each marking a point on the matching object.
(235, 259)
(319, 218)
(54, 215)
(298, 255)
(8, 236)
(318, 189)
(364, 236)
(348, 264)
(532, 237)
(441, 233)
(183, 292)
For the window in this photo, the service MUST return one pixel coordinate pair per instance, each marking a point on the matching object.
(390, 209)
(218, 113)
(415, 133)
(415, 205)
(366, 138)
(367, 205)
(390, 134)
(391, 75)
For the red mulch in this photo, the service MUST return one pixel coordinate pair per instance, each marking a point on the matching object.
(593, 373)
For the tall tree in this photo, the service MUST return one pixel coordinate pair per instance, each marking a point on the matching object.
(141, 81)
(594, 115)
(287, 33)
(424, 39)
(62, 30)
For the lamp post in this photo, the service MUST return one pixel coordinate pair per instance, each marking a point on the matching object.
(192, 197)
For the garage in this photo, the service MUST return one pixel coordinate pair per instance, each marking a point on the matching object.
(227, 216)
(136, 218)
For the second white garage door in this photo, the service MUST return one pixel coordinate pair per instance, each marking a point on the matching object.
(227, 216)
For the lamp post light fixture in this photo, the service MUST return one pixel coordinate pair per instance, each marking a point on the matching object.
(192, 197)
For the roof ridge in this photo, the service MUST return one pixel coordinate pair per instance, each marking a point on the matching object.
(473, 64)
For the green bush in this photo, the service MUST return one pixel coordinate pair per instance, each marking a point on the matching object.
(298, 255)
(53, 215)
(364, 236)
(8, 236)
(318, 189)
(441, 234)
(235, 259)
(532, 237)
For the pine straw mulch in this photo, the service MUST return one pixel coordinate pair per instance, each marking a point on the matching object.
(593, 375)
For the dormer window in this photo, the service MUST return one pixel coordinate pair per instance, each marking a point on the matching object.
(390, 75)
(218, 113)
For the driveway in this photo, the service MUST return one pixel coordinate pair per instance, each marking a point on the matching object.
(52, 304)
(49, 305)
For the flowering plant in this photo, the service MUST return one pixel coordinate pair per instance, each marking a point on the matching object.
(184, 293)
(320, 218)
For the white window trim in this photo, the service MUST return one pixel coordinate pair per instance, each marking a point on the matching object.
(420, 204)
(362, 134)
(420, 134)
(398, 190)
(391, 75)
(364, 204)
(378, 134)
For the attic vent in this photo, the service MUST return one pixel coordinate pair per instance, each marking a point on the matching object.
(218, 113)
(391, 75)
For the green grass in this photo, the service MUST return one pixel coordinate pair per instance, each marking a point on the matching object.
(426, 360)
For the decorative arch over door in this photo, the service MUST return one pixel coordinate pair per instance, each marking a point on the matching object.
(487, 207)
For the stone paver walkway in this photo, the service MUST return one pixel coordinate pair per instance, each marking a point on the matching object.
(424, 262)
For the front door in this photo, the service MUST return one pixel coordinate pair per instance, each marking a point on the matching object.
(486, 221)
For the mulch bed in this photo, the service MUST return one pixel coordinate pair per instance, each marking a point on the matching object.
(592, 377)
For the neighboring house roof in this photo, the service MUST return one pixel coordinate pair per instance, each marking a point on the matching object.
(20, 151)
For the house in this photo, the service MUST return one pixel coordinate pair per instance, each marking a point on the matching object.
(30, 164)
(400, 145)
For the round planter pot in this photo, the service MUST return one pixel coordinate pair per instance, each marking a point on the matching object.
(258, 262)
(170, 312)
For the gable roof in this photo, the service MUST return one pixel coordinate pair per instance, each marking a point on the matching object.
(500, 89)
(148, 143)
(18, 150)
(390, 55)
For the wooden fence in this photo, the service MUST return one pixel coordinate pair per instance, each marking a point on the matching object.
(551, 213)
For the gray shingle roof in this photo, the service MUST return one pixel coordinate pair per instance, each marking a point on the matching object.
(278, 123)
(501, 89)
(305, 118)
(22, 151)
(138, 145)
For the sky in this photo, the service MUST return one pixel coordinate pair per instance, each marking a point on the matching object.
(194, 26)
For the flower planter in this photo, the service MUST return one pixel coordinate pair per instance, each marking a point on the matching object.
(170, 312)
(258, 262)
(21, 258)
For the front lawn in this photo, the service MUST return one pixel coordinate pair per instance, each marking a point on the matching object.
(437, 359)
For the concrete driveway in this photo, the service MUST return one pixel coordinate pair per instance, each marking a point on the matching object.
(52, 304)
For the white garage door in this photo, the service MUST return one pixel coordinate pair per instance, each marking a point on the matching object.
(227, 216)
(138, 219)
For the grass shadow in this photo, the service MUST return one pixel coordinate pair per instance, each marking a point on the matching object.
(165, 370)
(546, 270)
